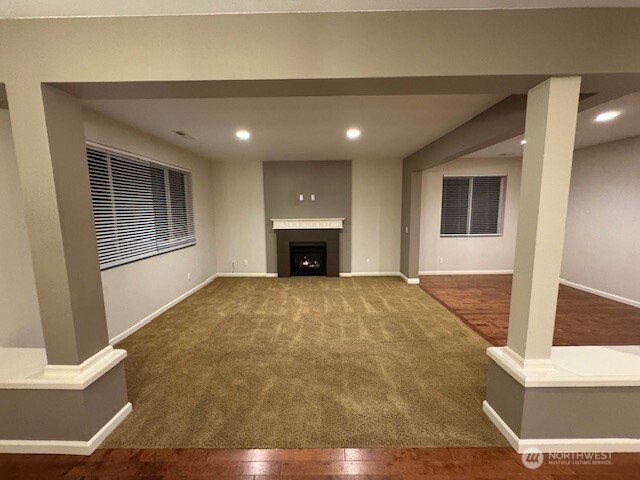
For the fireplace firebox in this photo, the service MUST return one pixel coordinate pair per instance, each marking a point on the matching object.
(291, 243)
(308, 258)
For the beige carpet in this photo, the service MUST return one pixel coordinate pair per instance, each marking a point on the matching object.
(306, 362)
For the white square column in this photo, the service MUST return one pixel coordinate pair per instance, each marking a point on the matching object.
(552, 109)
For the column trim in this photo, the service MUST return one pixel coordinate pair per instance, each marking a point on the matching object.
(68, 377)
(585, 366)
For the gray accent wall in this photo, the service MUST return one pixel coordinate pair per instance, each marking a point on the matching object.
(329, 181)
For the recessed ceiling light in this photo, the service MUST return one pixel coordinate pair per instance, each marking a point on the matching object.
(523, 142)
(606, 116)
(243, 134)
(353, 133)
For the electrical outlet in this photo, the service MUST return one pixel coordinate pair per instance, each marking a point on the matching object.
(313, 197)
(406, 229)
(246, 262)
(189, 276)
(441, 260)
(301, 198)
(368, 261)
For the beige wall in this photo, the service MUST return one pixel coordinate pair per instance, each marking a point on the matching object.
(602, 248)
(136, 290)
(468, 253)
(19, 314)
(375, 211)
(239, 217)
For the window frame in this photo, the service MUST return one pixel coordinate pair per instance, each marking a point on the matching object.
(501, 204)
(145, 160)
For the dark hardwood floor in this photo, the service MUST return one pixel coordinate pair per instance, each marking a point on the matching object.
(482, 301)
(314, 464)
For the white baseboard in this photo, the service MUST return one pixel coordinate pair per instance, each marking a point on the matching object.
(561, 445)
(610, 296)
(246, 275)
(66, 447)
(271, 275)
(375, 274)
(466, 272)
(346, 274)
(160, 311)
(410, 281)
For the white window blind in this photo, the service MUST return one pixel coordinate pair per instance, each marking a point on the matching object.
(141, 208)
(472, 205)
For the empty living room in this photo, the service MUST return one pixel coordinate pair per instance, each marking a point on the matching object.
(311, 240)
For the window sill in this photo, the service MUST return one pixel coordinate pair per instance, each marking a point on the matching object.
(466, 235)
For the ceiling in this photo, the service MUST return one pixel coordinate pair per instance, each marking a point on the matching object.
(85, 8)
(588, 132)
(300, 128)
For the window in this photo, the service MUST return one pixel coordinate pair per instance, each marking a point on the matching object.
(472, 205)
(141, 208)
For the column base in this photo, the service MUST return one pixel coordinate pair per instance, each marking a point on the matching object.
(561, 445)
(585, 402)
(62, 409)
(410, 281)
(66, 447)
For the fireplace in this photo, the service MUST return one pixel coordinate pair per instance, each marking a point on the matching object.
(308, 258)
(308, 246)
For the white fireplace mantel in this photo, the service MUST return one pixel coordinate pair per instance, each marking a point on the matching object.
(307, 223)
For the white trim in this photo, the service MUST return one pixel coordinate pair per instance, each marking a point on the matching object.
(526, 364)
(410, 281)
(69, 371)
(307, 223)
(66, 447)
(600, 293)
(346, 274)
(271, 275)
(68, 377)
(560, 445)
(247, 275)
(375, 274)
(505, 430)
(134, 328)
(584, 366)
(465, 272)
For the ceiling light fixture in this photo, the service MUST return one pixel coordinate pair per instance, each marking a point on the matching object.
(353, 133)
(523, 142)
(243, 134)
(607, 116)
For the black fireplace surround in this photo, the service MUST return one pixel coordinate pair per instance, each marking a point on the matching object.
(308, 252)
